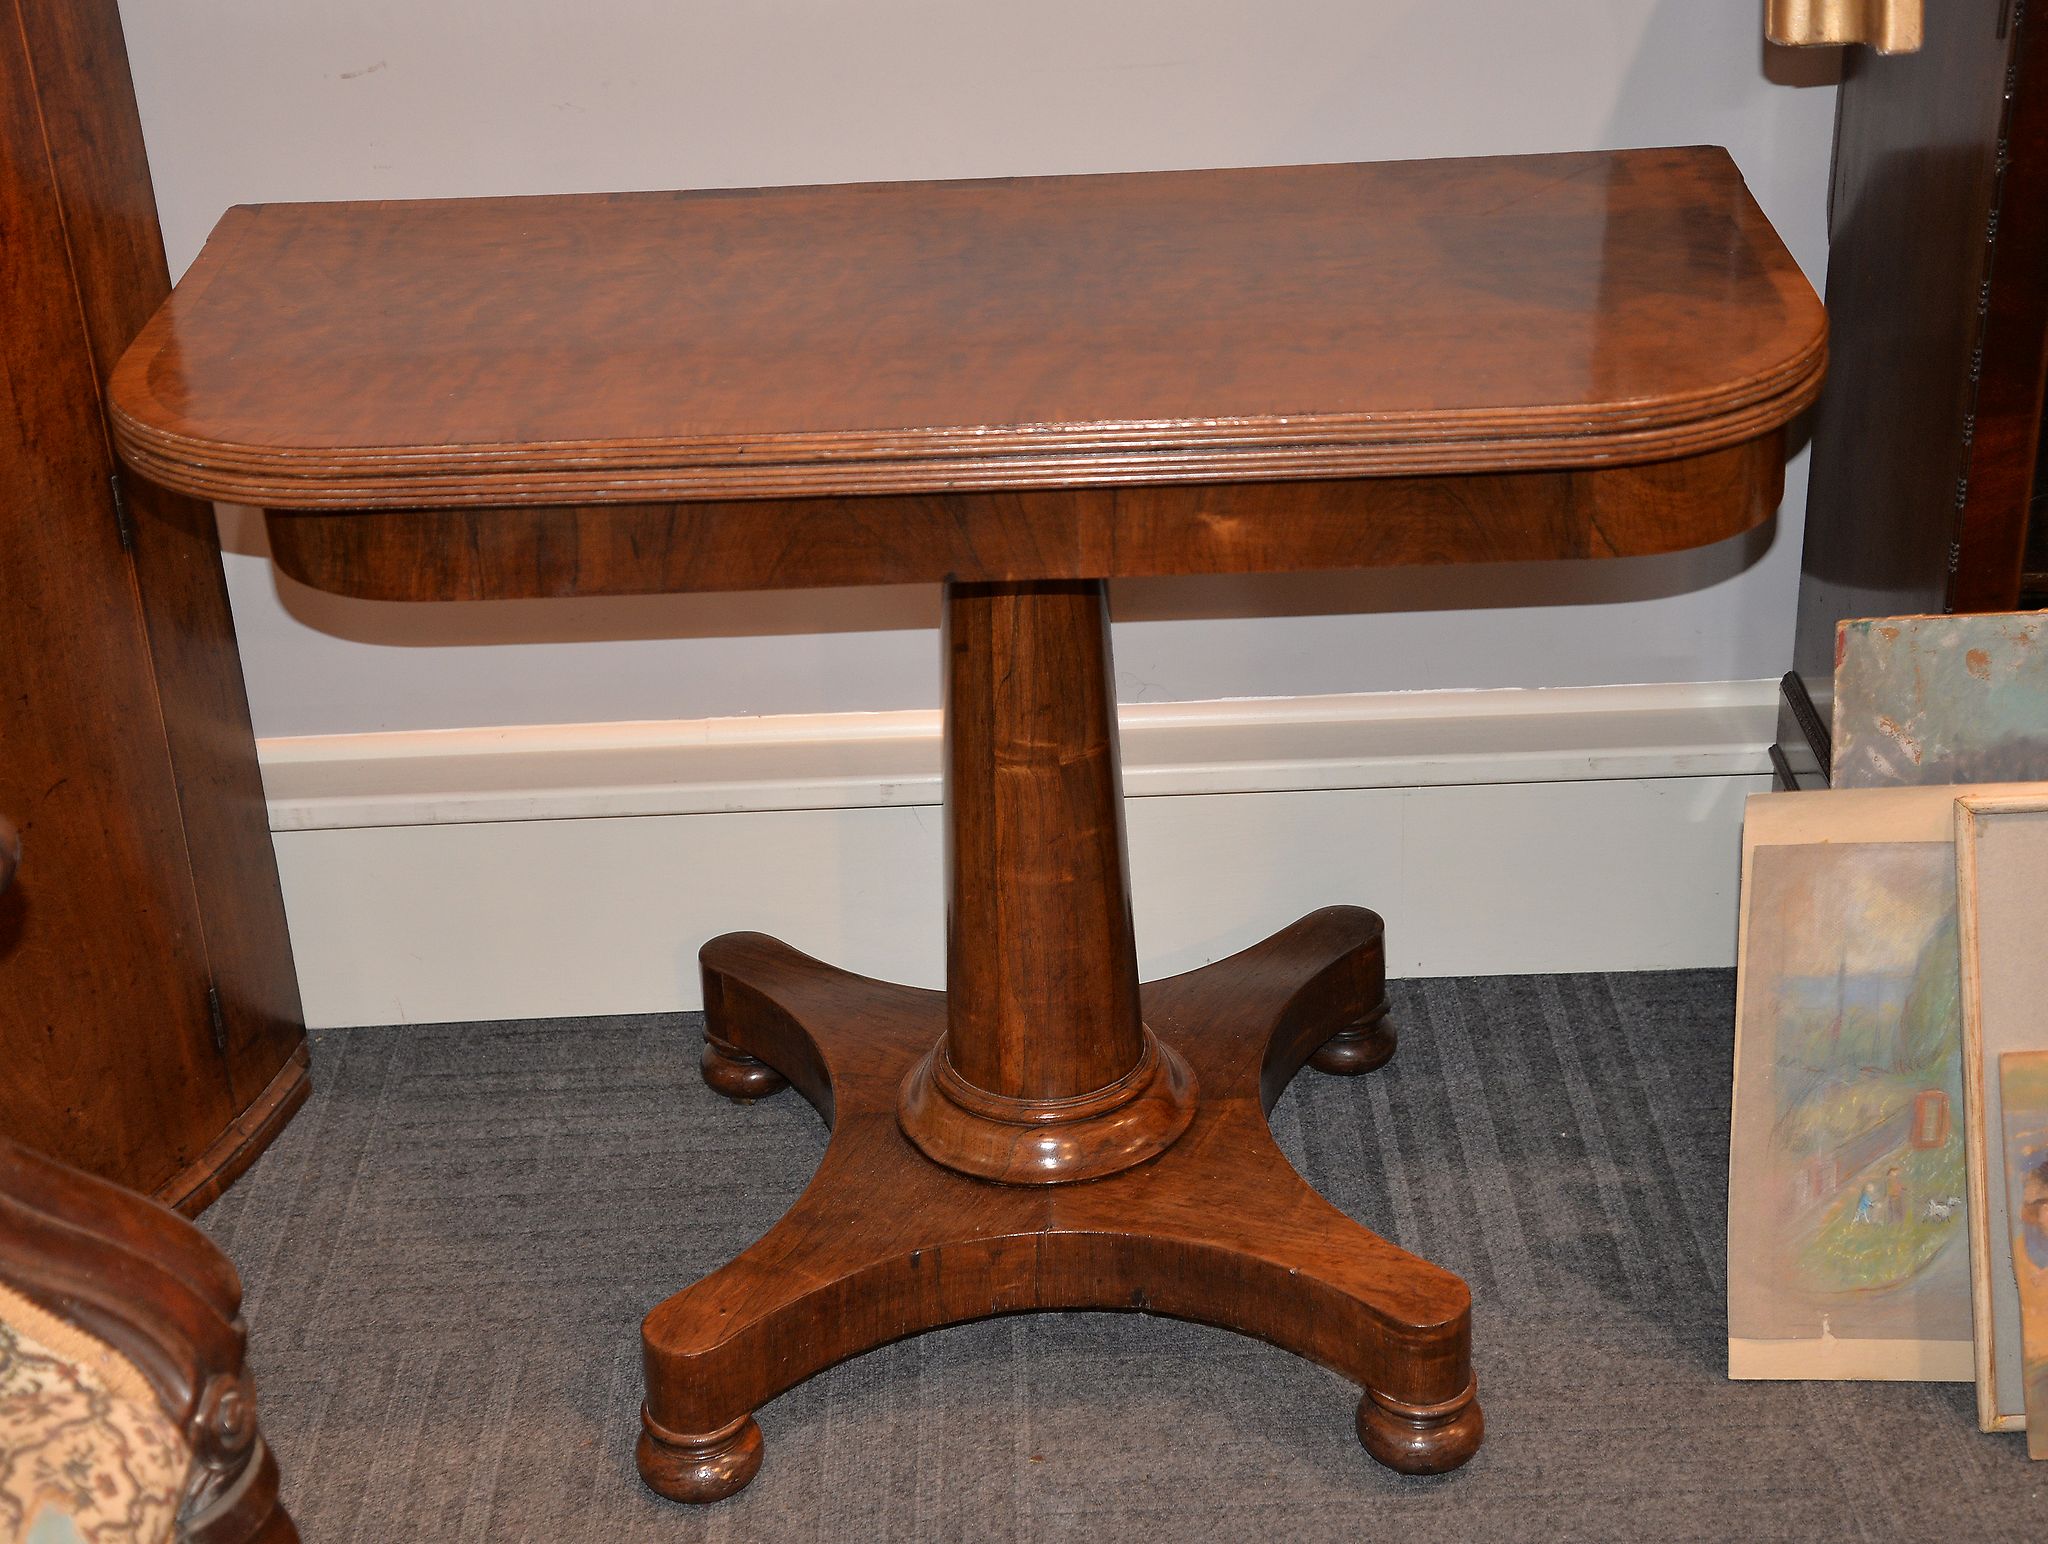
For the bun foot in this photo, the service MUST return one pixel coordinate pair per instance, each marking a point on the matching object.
(739, 1076)
(698, 1469)
(1421, 1439)
(1361, 1048)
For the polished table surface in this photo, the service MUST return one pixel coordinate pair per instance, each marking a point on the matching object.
(1330, 321)
(1019, 389)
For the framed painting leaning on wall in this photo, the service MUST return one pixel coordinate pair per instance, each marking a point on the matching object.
(1847, 1241)
(2002, 876)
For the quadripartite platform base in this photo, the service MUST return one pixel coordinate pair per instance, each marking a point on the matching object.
(1219, 1228)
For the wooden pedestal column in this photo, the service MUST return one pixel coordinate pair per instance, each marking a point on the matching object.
(1047, 1072)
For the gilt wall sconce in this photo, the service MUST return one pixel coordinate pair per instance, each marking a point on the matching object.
(1889, 26)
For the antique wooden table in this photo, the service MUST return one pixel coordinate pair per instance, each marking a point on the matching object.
(1019, 390)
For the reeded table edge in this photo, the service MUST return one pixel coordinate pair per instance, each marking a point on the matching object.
(937, 461)
(944, 458)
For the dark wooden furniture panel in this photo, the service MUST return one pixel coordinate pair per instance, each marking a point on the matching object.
(151, 1029)
(1070, 533)
(1924, 441)
(1020, 390)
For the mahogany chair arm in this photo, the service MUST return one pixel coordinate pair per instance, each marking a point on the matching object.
(141, 1279)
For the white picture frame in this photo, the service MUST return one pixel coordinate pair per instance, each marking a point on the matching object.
(1845, 861)
(2002, 916)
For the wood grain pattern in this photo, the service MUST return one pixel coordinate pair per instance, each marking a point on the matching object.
(107, 1056)
(1066, 533)
(1047, 1072)
(127, 752)
(139, 1278)
(1219, 1228)
(204, 711)
(1379, 319)
(1041, 955)
(242, 1140)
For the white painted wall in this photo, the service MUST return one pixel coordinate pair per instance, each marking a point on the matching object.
(247, 100)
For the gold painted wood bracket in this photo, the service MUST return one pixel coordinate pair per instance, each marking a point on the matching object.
(1889, 26)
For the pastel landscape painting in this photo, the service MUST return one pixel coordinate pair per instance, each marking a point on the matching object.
(2023, 1089)
(1846, 1217)
(1941, 699)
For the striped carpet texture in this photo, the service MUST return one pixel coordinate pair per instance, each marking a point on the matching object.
(447, 1256)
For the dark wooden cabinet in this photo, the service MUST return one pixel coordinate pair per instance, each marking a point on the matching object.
(1926, 436)
(151, 1030)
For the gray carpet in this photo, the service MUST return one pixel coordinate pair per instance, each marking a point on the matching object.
(447, 1256)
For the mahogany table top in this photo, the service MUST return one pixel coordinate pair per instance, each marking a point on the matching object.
(1387, 319)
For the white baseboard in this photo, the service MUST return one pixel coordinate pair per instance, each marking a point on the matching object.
(575, 869)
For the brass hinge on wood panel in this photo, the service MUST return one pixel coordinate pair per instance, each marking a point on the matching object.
(1889, 26)
(123, 526)
(218, 1019)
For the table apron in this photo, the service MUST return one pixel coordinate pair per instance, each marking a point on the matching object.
(526, 552)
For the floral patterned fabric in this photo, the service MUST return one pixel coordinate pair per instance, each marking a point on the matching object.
(86, 1457)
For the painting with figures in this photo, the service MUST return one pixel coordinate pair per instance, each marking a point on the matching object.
(1848, 1252)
